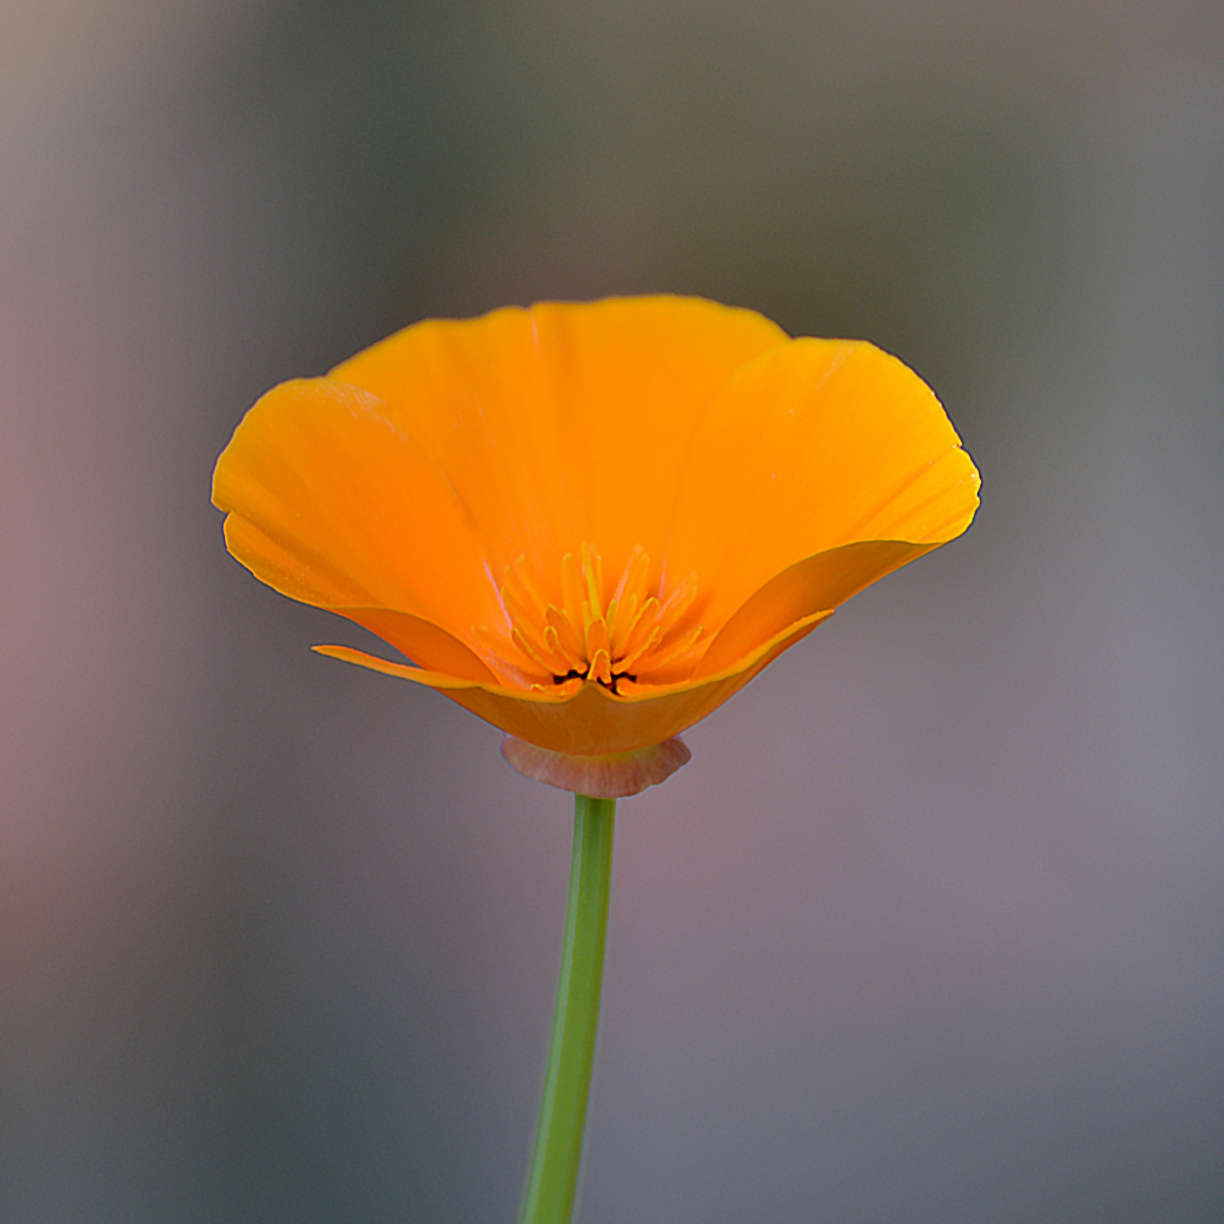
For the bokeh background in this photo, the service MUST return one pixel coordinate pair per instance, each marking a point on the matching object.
(931, 929)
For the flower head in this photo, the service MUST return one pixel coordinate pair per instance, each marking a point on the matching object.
(591, 524)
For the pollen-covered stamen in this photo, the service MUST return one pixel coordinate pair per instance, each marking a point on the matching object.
(629, 639)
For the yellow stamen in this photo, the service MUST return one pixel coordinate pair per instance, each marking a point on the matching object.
(569, 640)
(648, 642)
(601, 667)
(630, 593)
(633, 639)
(597, 639)
(592, 568)
(644, 623)
(678, 603)
(675, 649)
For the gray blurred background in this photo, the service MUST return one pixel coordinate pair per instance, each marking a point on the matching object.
(931, 929)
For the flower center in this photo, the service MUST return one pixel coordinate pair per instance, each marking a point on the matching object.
(631, 638)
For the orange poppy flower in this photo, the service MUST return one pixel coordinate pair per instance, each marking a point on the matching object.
(591, 524)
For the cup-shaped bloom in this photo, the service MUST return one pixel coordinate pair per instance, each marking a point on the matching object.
(591, 524)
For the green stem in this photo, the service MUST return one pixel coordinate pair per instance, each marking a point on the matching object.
(552, 1183)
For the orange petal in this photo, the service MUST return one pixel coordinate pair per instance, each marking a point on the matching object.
(817, 583)
(424, 643)
(331, 503)
(573, 602)
(592, 721)
(816, 444)
(529, 412)
(434, 679)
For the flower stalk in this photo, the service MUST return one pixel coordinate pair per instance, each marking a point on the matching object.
(552, 1182)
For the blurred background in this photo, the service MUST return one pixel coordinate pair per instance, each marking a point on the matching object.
(931, 929)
